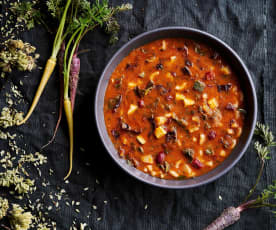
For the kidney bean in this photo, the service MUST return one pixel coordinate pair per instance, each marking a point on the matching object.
(174, 74)
(141, 103)
(121, 152)
(160, 158)
(186, 71)
(212, 135)
(197, 164)
(209, 76)
(214, 56)
(183, 49)
(159, 66)
(188, 63)
(115, 133)
(225, 88)
(230, 107)
(169, 97)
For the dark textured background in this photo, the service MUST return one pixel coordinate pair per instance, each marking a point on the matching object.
(248, 27)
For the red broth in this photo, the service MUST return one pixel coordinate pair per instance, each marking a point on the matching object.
(173, 108)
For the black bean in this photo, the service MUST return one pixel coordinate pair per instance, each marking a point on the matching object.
(212, 135)
(159, 66)
(224, 87)
(186, 71)
(188, 63)
(115, 133)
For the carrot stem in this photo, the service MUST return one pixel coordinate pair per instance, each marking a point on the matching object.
(49, 68)
(59, 36)
(69, 117)
(256, 183)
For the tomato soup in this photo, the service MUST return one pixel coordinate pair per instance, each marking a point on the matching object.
(174, 108)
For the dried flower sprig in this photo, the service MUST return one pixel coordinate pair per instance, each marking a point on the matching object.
(26, 13)
(12, 177)
(263, 131)
(19, 219)
(4, 206)
(19, 55)
(10, 117)
(263, 151)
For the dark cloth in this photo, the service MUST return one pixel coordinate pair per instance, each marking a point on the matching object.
(248, 27)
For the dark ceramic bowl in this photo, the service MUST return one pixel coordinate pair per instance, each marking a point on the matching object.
(237, 65)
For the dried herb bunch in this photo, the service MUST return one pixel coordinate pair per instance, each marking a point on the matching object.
(19, 219)
(27, 13)
(19, 55)
(4, 206)
(231, 215)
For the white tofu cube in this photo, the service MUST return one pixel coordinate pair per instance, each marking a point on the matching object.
(153, 75)
(150, 168)
(182, 86)
(160, 120)
(222, 153)
(234, 124)
(213, 103)
(169, 76)
(173, 58)
(239, 131)
(177, 164)
(147, 159)
(132, 109)
(206, 109)
(131, 85)
(141, 139)
(179, 96)
(141, 75)
(173, 173)
(193, 129)
(187, 170)
(204, 95)
(234, 142)
(202, 138)
(209, 163)
(164, 45)
(188, 101)
(196, 119)
(225, 70)
(160, 132)
(230, 131)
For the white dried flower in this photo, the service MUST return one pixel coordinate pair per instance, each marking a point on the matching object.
(19, 219)
(4, 205)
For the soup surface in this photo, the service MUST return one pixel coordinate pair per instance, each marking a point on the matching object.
(173, 108)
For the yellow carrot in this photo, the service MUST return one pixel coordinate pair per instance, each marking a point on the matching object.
(51, 63)
(49, 68)
(69, 117)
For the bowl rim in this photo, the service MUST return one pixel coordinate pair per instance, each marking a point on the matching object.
(251, 128)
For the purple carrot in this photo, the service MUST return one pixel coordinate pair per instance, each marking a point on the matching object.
(229, 216)
(74, 78)
(61, 90)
